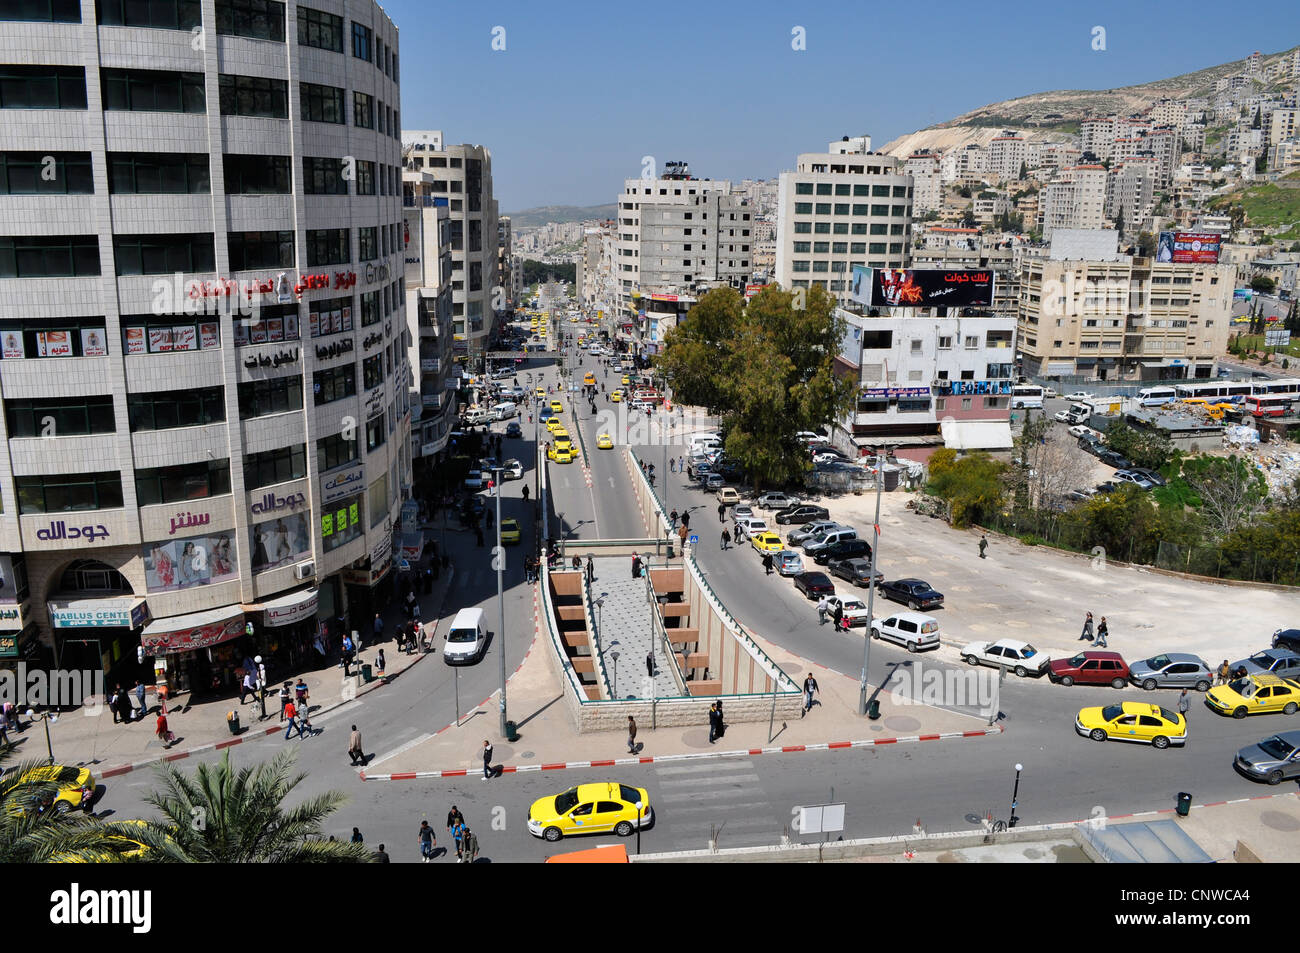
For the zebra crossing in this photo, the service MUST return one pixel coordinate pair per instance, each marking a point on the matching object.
(698, 800)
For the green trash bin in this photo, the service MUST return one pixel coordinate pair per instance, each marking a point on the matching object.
(367, 674)
(1184, 804)
(512, 731)
(873, 709)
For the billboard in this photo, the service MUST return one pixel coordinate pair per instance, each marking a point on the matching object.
(922, 287)
(1194, 247)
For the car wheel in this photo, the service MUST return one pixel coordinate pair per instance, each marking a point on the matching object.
(1097, 734)
(911, 646)
(1274, 776)
(552, 834)
(623, 829)
(1239, 713)
(1202, 686)
(1290, 708)
(1149, 685)
(970, 660)
(1118, 683)
(911, 604)
(875, 634)
(1160, 741)
(1021, 671)
(62, 807)
(1067, 681)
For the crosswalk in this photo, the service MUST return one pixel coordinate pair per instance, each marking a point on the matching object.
(724, 798)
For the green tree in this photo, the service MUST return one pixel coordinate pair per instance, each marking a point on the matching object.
(1146, 245)
(223, 815)
(1262, 283)
(972, 485)
(1119, 222)
(1023, 170)
(697, 351)
(1145, 448)
(1231, 490)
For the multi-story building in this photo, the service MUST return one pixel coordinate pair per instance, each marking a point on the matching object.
(504, 301)
(464, 174)
(987, 206)
(927, 181)
(971, 160)
(1075, 198)
(839, 209)
(1007, 154)
(204, 334)
(1130, 190)
(1284, 156)
(1097, 136)
(1110, 317)
(1168, 112)
(1280, 125)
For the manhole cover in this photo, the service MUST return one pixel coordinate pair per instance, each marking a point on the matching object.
(696, 737)
(902, 723)
(1280, 821)
(527, 755)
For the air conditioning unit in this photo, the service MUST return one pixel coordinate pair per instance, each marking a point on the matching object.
(304, 570)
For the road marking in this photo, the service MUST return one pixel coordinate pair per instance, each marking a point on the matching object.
(379, 758)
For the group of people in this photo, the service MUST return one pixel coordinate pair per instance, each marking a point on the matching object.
(1099, 641)
(834, 612)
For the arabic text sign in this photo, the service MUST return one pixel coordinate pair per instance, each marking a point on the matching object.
(59, 530)
(184, 640)
(99, 613)
(270, 503)
(922, 287)
(335, 486)
(287, 615)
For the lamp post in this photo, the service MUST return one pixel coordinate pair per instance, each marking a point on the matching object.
(498, 557)
(1015, 793)
(46, 717)
(613, 654)
(871, 587)
(640, 806)
(598, 604)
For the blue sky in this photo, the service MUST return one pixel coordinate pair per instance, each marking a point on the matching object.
(583, 90)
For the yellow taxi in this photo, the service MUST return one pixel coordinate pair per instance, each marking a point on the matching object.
(560, 455)
(766, 542)
(554, 424)
(573, 320)
(591, 809)
(604, 442)
(589, 379)
(626, 381)
(1255, 695)
(510, 531)
(563, 441)
(73, 787)
(1133, 721)
(616, 396)
(557, 407)
(541, 393)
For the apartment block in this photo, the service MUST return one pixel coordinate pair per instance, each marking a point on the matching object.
(927, 181)
(1130, 190)
(1007, 153)
(1075, 198)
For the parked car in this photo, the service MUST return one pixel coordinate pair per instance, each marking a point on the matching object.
(1113, 459)
(845, 549)
(1049, 392)
(1081, 430)
(855, 610)
(916, 593)
(728, 495)
(474, 480)
(829, 456)
(1079, 395)
(1019, 657)
(814, 585)
(809, 530)
(1151, 475)
(765, 541)
(742, 511)
(909, 629)
(1090, 668)
(776, 500)
(1133, 477)
(1107, 487)
(856, 570)
(802, 513)
(828, 538)
(1255, 695)
(1273, 661)
(1090, 443)
(1273, 760)
(1079, 496)
(512, 470)
(713, 481)
(1171, 670)
(788, 562)
(1287, 639)
(1133, 721)
(747, 526)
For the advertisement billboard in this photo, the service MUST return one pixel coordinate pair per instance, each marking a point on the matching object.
(922, 287)
(1194, 247)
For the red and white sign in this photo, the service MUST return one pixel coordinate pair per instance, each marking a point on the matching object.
(209, 336)
(287, 615)
(134, 341)
(54, 344)
(160, 339)
(199, 637)
(184, 338)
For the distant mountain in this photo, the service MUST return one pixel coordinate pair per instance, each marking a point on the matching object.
(532, 217)
(1055, 114)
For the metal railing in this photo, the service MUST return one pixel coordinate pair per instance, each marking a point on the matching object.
(597, 650)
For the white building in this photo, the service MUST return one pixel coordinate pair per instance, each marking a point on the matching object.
(1076, 198)
(1007, 153)
(927, 181)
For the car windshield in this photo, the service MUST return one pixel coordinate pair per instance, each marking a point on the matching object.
(1157, 662)
(1262, 659)
(1276, 747)
(1078, 660)
(1111, 712)
(565, 802)
(1168, 715)
(462, 635)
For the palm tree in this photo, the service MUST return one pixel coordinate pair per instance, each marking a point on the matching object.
(29, 835)
(224, 815)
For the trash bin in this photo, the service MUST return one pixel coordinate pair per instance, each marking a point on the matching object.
(232, 722)
(1184, 803)
(512, 731)
(873, 709)
(367, 674)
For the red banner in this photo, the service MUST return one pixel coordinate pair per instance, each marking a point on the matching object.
(200, 637)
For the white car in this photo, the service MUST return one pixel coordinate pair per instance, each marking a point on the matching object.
(1062, 415)
(855, 610)
(1049, 392)
(1080, 430)
(747, 526)
(1079, 395)
(1019, 657)
(913, 630)
(742, 511)
(512, 470)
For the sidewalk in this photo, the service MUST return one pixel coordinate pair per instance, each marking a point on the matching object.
(89, 737)
(549, 741)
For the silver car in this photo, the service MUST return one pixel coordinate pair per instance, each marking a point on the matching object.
(809, 530)
(1274, 759)
(788, 562)
(1271, 661)
(1172, 670)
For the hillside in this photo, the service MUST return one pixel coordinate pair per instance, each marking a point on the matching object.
(1268, 205)
(532, 217)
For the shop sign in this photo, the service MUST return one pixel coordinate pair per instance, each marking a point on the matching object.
(270, 503)
(58, 529)
(975, 387)
(287, 615)
(199, 637)
(11, 619)
(99, 613)
(341, 484)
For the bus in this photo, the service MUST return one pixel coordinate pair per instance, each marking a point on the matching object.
(1219, 390)
(1275, 406)
(1288, 387)
(1027, 395)
(1156, 396)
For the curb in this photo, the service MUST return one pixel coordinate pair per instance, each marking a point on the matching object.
(690, 756)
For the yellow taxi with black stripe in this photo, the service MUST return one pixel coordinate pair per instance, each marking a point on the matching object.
(766, 542)
(591, 809)
(1133, 721)
(1256, 695)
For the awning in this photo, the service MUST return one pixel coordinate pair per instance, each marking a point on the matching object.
(124, 611)
(198, 630)
(976, 434)
(888, 440)
(286, 609)
(412, 546)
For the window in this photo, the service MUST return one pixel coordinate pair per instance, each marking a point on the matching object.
(167, 409)
(821, 228)
(340, 523)
(150, 334)
(335, 384)
(861, 191)
(367, 250)
(372, 369)
(363, 110)
(60, 416)
(45, 337)
(802, 228)
(362, 40)
(256, 96)
(163, 254)
(274, 396)
(880, 210)
(876, 340)
(880, 191)
(323, 176)
(803, 208)
(251, 250)
(365, 177)
(800, 265)
(821, 247)
(823, 208)
(330, 316)
(328, 246)
(58, 256)
(275, 466)
(322, 103)
(257, 175)
(876, 248)
(803, 188)
(273, 324)
(322, 30)
(42, 87)
(60, 493)
(841, 208)
(149, 173)
(186, 481)
(913, 405)
(256, 19)
(900, 191)
(376, 433)
(333, 452)
(802, 248)
(153, 90)
(897, 211)
(857, 248)
(46, 173)
(41, 11)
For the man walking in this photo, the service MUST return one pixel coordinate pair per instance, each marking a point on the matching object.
(715, 721)
(837, 615)
(469, 845)
(1225, 671)
(1102, 632)
(379, 628)
(767, 563)
(487, 759)
(348, 649)
(291, 713)
(591, 569)
(1087, 629)
(284, 699)
(650, 663)
(722, 512)
(249, 686)
(823, 605)
(458, 838)
(672, 520)
(984, 544)
(454, 817)
(139, 694)
(631, 735)
(427, 841)
(1184, 704)
(726, 539)
(354, 748)
(809, 688)
(636, 566)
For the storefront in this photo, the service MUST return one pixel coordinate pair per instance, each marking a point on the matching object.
(195, 652)
(370, 585)
(98, 634)
(283, 630)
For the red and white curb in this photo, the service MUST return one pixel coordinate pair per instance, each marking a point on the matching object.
(688, 756)
(1171, 810)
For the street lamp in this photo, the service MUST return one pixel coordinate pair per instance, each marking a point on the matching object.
(47, 717)
(871, 586)
(640, 806)
(1015, 793)
(613, 654)
(598, 604)
(498, 557)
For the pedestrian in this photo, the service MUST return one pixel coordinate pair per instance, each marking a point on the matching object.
(767, 563)
(162, 731)
(1225, 672)
(726, 539)
(454, 817)
(672, 520)
(427, 841)
(470, 845)
(591, 569)
(1087, 629)
(722, 512)
(381, 856)
(291, 714)
(631, 735)
(348, 650)
(1184, 703)
(636, 566)
(249, 685)
(139, 694)
(300, 692)
(379, 628)
(682, 532)
(715, 722)
(525, 492)
(356, 836)
(304, 723)
(458, 838)
(487, 759)
(837, 615)
(576, 564)
(823, 605)
(809, 688)
(112, 704)
(379, 661)
(355, 751)
(124, 708)
(284, 699)
(984, 544)
(672, 463)
(1102, 632)
(681, 464)
(686, 520)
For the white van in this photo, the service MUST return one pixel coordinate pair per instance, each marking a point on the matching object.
(698, 438)
(506, 410)
(466, 638)
(828, 538)
(476, 417)
(910, 629)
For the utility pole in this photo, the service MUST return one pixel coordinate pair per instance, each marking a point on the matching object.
(871, 585)
(500, 560)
